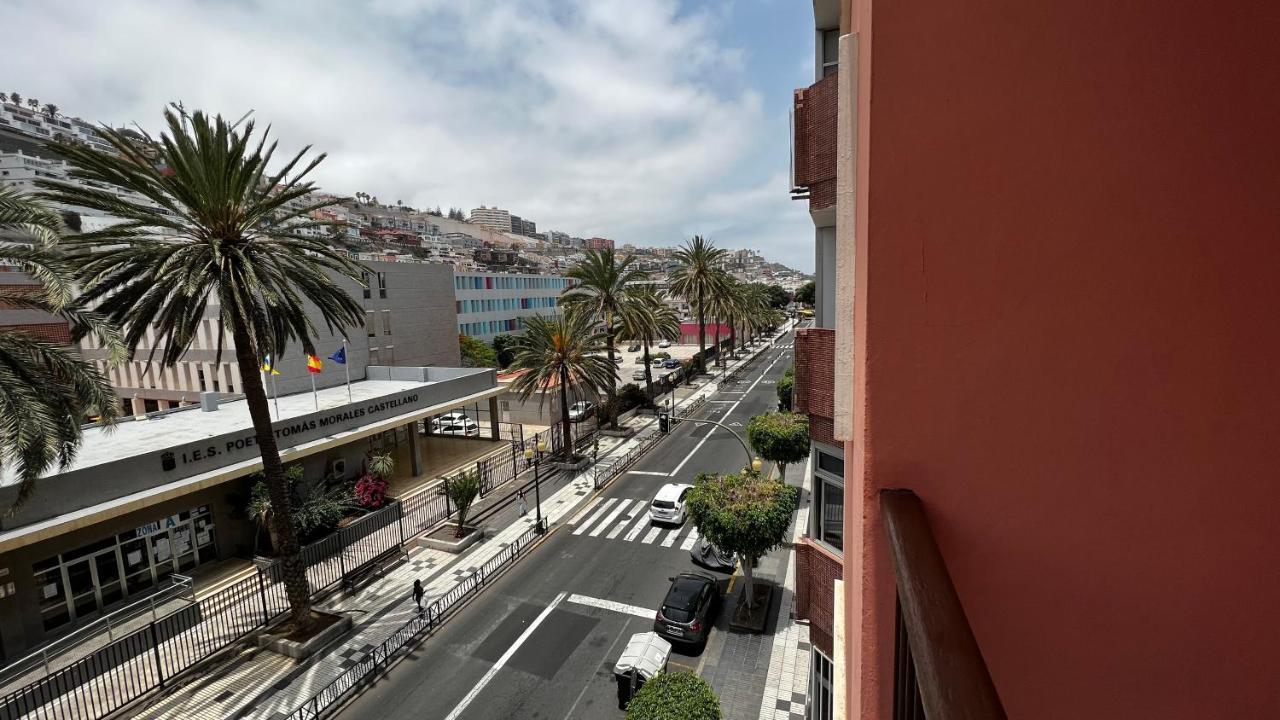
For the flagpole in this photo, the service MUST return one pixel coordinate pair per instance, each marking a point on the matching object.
(314, 396)
(347, 367)
(263, 374)
(275, 392)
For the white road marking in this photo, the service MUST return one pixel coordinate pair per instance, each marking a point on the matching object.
(670, 539)
(608, 521)
(689, 541)
(596, 516)
(637, 511)
(647, 472)
(653, 533)
(733, 407)
(640, 525)
(614, 606)
(581, 513)
(497, 666)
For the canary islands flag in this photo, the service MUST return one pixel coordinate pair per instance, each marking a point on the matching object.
(267, 367)
(314, 364)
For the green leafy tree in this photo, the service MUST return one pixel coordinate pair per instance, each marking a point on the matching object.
(649, 319)
(786, 385)
(46, 390)
(462, 491)
(675, 696)
(742, 514)
(695, 278)
(805, 294)
(604, 290)
(221, 225)
(780, 437)
(562, 352)
(776, 297)
(504, 347)
(315, 514)
(476, 353)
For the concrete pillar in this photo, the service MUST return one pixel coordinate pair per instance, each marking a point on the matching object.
(494, 418)
(164, 404)
(139, 406)
(415, 449)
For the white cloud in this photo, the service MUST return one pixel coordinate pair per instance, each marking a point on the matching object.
(627, 119)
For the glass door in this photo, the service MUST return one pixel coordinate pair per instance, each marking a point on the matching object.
(137, 564)
(84, 597)
(184, 548)
(161, 554)
(106, 565)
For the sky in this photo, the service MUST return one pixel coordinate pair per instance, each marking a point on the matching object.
(645, 121)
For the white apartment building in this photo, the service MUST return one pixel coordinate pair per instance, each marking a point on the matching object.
(492, 218)
(490, 304)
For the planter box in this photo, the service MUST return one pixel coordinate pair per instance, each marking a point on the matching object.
(753, 620)
(299, 649)
(451, 544)
(572, 466)
(619, 433)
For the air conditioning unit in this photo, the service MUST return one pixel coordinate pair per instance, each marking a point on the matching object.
(338, 468)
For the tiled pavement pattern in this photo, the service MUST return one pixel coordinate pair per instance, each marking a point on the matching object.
(787, 687)
(261, 686)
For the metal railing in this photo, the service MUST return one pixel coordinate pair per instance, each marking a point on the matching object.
(379, 659)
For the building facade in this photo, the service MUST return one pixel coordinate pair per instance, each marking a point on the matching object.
(492, 218)
(489, 304)
(1052, 258)
(598, 243)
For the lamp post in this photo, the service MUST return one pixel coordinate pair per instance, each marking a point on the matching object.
(536, 459)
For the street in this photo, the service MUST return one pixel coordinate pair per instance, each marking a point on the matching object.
(541, 642)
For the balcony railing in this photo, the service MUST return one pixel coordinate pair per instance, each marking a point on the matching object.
(939, 672)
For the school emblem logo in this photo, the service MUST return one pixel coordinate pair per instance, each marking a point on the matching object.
(167, 461)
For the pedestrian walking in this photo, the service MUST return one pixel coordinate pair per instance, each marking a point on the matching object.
(418, 592)
(520, 503)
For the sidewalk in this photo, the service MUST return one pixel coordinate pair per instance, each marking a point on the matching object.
(261, 684)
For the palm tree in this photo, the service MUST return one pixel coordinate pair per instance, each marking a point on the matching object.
(720, 304)
(562, 350)
(16, 98)
(647, 319)
(33, 103)
(603, 290)
(51, 110)
(235, 236)
(694, 280)
(46, 390)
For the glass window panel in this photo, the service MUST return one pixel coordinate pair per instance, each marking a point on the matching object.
(832, 515)
(108, 567)
(79, 577)
(49, 589)
(831, 464)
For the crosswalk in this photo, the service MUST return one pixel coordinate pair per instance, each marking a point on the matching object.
(785, 345)
(627, 519)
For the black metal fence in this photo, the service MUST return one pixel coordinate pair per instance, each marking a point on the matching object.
(379, 659)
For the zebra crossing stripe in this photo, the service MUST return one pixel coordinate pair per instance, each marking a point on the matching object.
(608, 521)
(583, 512)
(653, 533)
(637, 511)
(689, 541)
(636, 529)
(670, 539)
(599, 513)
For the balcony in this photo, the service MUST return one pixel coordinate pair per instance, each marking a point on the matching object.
(815, 381)
(813, 144)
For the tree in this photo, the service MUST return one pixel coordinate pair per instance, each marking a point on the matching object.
(476, 353)
(742, 514)
(51, 110)
(462, 491)
(721, 305)
(603, 289)
(564, 352)
(649, 319)
(694, 278)
(805, 294)
(46, 390)
(314, 515)
(775, 295)
(235, 233)
(16, 98)
(675, 696)
(786, 385)
(780, 437)
(504, 348)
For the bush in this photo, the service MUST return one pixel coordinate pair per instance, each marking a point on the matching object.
(785, 387)
(675, 696)
(462, 490)
(631, 396)
(371, 491)
(660, 355)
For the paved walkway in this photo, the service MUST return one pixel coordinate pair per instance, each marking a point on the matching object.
(787, 688)
(261, 684)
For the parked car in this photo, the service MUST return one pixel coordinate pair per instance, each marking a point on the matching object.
(455, 423)
(664, 344)
(633, 347)
(689, 609)
(617, 360)
(711, 557)
(637, 374)
(581, 410)
(668, 505)
(671, 363)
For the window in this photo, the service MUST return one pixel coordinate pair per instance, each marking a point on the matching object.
(828, 505)
(821, 694)
(386, 322)
(382, 285)
(364, 278)
(830, 51)
(370, 323)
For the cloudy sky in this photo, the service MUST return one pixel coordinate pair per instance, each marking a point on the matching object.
(641, 120)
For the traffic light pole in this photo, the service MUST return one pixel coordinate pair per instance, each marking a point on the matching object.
(751, 461)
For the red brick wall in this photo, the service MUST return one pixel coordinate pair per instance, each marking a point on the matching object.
(816, 572)
(815, 381)
(51, 332)
(815, 142)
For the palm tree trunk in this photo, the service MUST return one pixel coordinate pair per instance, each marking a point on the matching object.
(702, 335)
(613, 386)
(296, 587)
(733, 337)
(718, 358)
(566, 439)
(648, 373)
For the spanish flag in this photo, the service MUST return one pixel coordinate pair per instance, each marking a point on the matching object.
(314, 365)
(267, 367)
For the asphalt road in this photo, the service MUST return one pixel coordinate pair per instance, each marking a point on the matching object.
(542, 640)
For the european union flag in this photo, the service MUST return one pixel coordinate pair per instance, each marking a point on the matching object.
(340, 357)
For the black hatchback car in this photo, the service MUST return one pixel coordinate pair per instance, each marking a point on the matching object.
(689, 609)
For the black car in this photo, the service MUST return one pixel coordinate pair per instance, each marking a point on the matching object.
(689, 609)
(634, 347)
(711, 557)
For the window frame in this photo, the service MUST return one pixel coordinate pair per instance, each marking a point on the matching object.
(821, 479)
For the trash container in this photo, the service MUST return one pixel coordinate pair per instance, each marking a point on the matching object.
(645, 656)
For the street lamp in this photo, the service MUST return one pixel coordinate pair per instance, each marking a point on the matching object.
(536, 459)
(756, 464)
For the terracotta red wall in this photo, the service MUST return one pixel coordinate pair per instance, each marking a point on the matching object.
(1070, 304)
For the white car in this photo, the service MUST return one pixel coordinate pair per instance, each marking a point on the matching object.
(668, 504)
(637, 375)
(455, 423)
(581, 410)
(664, 344)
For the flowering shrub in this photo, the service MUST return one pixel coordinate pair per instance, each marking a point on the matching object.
(371, 491)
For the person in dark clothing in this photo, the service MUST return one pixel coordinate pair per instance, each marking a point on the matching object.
(418, 592)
